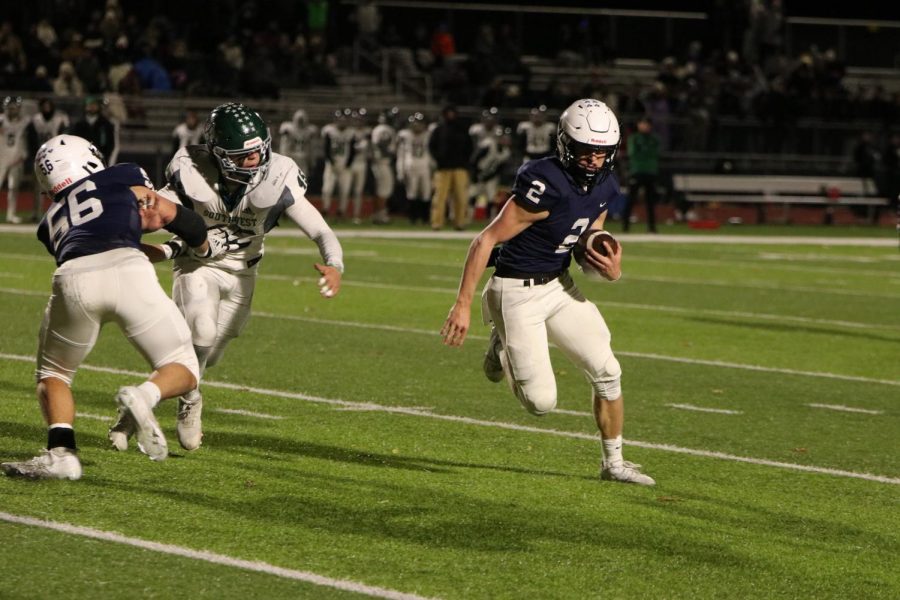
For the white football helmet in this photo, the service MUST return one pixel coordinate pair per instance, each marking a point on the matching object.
(587, 126)
(63, 160)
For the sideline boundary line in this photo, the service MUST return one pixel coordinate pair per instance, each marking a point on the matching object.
(418, 412)
(211, 557)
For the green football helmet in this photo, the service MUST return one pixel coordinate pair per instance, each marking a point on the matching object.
(232, 131)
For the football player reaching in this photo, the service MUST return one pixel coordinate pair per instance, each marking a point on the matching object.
(93, 229)
(532, 300)
(242, 188)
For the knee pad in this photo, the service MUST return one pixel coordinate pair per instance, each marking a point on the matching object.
(203, 329)
(609, 385)
(191, 293)
(537, 399)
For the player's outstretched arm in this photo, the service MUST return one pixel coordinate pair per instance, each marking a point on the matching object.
(159, 212)
(511, 221)
(311, 222)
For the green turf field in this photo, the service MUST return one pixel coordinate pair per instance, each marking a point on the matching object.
(348, 452)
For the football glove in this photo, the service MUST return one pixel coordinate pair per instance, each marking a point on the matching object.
(220, 241)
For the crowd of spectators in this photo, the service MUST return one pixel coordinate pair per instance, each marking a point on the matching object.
(99, 47)
(741, 73)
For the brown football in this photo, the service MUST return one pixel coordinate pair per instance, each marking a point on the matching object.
(594, 238)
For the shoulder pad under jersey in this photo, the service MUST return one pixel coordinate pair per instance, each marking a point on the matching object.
(127, 174)
(194, 173)
(283, 171)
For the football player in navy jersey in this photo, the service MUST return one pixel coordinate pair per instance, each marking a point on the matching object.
(93, 229)
(531, 298)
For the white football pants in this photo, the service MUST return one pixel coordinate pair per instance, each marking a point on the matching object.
(529, 317)
(120, 286)
(215, 305)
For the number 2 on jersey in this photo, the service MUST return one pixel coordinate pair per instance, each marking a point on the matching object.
(578, 227)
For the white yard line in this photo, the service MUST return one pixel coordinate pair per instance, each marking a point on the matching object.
(841, 407)
(245, 413)
(720, 411)
(715, 363)
(577, 413)
(82, 415)
(692, 361)
(759, 285)
(602, 303)
(776, 240)
(211, 557)
(371, 406)
(19, 292)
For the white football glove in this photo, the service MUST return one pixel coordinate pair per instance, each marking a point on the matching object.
(222, 240)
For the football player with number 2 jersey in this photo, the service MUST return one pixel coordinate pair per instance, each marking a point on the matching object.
(236, 184)
(93, 229)
(531, 298)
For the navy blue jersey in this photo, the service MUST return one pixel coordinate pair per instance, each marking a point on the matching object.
(95, 214)
(546, 245)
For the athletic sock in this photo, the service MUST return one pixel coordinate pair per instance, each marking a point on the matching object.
(152, 391)
(612, 450)
(61, 435)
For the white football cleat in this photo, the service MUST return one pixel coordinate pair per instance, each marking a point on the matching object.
(625, 472)
(57, 463)
(122, 430)
(493, 367)
(150, 438)
(190, 431)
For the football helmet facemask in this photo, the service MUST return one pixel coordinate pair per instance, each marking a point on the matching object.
(232, 132)
(64, 160)
(586, 127)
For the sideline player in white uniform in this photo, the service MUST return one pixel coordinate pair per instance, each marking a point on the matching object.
(48, 122)
(93, 230)
(337, 138)
(414, 167)
(296, 140)
(187, 133)
(536, 134)
(531, 298)
(384, 155)
(491, 155)
(485, 127)
(234, 182)
(359, 164)
(12, 153)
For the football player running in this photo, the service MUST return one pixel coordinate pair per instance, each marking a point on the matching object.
(235, 182)
(93, 229)
(531, 298)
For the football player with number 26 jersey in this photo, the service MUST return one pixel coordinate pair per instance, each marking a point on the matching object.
(532, 300)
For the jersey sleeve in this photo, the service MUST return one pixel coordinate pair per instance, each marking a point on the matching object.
(533, 189)
(129, 174)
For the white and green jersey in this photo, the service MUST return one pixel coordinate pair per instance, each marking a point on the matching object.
(193, 177)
